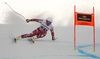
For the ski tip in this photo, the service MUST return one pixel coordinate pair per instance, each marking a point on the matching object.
(14, 40)
(31, 40)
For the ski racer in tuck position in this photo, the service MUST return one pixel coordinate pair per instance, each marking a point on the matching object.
(40, 32)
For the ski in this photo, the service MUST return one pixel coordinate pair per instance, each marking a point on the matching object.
(31, 40)
(15, 40)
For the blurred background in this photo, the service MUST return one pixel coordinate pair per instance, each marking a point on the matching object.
(62, 11)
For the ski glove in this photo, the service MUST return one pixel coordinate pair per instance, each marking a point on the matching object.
(53, 38)
(27, 20)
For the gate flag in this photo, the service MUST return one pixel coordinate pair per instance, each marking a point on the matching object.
(86, 19)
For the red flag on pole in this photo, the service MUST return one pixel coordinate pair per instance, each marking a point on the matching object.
(86, 19)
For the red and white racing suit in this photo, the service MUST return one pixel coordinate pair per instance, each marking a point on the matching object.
(41, 31)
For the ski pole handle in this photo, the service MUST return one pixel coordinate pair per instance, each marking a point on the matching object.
(27, 20)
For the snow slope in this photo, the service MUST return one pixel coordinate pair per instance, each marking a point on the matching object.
(63, 47)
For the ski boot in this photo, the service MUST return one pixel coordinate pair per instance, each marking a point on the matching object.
(32, 39)
(17, 38)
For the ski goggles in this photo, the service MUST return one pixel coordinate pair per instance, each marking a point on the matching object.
(48, 22)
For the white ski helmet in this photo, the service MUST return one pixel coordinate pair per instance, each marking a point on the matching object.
(49, 19)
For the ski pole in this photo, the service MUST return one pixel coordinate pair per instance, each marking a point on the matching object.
(15, 11)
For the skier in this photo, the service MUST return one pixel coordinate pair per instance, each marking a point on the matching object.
(41, 31)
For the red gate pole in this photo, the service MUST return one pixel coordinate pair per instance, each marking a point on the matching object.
(93, 31)
(74, 28)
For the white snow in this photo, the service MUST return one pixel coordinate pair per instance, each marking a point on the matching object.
(45, 48)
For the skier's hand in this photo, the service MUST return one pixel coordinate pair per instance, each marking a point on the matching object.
(53, 38)
(27, 20)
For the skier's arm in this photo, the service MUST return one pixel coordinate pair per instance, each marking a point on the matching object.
(37, 20)
(52, 33)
